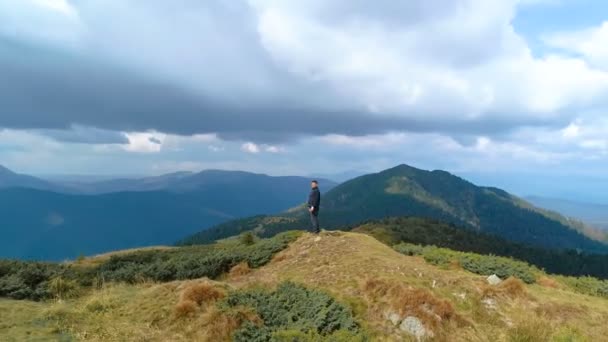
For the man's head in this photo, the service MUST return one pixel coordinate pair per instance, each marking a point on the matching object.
(314, 184)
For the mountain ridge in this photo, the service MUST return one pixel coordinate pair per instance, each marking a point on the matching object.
(51, 225)
(408, 191)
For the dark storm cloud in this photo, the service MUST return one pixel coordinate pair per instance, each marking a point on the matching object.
(51, 90)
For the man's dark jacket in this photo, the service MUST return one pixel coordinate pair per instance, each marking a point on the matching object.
(314, 200)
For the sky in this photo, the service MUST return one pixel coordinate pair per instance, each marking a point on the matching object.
(511, 93)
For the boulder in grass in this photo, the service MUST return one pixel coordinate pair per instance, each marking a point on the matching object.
(414, 326)
(494, 280)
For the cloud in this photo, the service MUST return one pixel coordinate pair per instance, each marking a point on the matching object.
(287, 71)
(86, 135)
(144, 142)
(253, 148)
(590, 43)
(250, 148)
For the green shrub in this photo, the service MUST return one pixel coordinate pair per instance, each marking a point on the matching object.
(247, 238)
(39, 281)
(62, 288)
(299, 336)
(292, 310)
(476, 263)
(27, 280)
(409, 249)
(191, 262)
(586, 285)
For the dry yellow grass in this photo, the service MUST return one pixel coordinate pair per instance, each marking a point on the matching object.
(240, 270)
(101, 258)
(356, 268)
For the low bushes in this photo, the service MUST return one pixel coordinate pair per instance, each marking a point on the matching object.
(476, 263)
(292, 312)
(37, 281)
(192, 262)
(586, 285)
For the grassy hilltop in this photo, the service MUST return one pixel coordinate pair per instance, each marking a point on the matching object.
(341, 286)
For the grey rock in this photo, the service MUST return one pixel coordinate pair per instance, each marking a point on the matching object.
(414, 326)
(494, 280)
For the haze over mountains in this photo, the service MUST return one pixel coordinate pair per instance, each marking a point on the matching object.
(592, 213)
(42, 220)
(52, 221)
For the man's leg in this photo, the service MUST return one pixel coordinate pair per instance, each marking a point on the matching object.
(314, 219)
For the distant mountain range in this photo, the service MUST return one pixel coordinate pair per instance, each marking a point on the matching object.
(10, 179)
(407, 191)
(591, 213)
(48, 221)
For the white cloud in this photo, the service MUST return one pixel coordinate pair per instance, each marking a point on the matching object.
(464, 63)
(51, 22)
(591, 43)
(61, 6)
(250, 147)
(215, 148)
(273, 149)
(254, 148)
(144, 142)
(445, 63)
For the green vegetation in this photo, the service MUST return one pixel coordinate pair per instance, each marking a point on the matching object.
(479, 264)
(407, 191)
(36, 281)
(263, 226)
(342, 287)
(294, 313)
(503, 267)
(428, 232)
(587, 285)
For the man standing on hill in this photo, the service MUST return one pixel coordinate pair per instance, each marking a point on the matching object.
(314, 201)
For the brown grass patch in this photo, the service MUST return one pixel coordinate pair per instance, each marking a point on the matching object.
(532, 329)
(195, 294)
(560, 312)
(240, 269)
(548, 282)
(405, 301)
(220, 325)
(279, 257)
(510, 288)
(201, 293)
(185, 308)
(455, 265)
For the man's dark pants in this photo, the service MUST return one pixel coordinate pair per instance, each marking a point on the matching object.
(314, 219)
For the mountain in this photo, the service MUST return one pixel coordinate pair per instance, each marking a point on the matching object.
(339, 286)
(184, 181)
(591, 213)
(9, 179)
(46, 225)
(408, 191)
